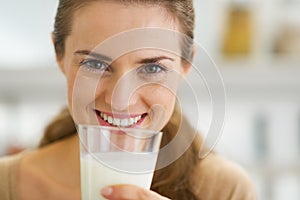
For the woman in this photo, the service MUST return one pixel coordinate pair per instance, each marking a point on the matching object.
(52, 170)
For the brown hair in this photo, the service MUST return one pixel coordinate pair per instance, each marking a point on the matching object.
(173, 181)
(182, 11)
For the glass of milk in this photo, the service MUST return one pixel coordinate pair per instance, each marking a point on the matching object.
(112, 155)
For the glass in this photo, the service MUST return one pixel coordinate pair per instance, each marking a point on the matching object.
(112, 155)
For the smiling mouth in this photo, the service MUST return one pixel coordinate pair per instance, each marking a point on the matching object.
(119, 121)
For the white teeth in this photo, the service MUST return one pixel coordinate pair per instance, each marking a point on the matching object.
(120, 122)
(110, 119)
(136, 119)
(105, 117)
(130, 121)
(124, 122)
(116, 122)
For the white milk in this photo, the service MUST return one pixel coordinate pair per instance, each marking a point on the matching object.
(115, 168)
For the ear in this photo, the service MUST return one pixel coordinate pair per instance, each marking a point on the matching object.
(186, 68)
(59, 59)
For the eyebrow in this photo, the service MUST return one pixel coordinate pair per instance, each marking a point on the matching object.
(154, 59)
(93, 54)
(104, 57)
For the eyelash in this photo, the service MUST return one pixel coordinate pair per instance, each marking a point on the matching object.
(160, 69)
(86, 63)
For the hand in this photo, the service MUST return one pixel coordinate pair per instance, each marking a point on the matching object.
(130, 192)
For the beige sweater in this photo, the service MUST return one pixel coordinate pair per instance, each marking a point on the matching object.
(215, 179)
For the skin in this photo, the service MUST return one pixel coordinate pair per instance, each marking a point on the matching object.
(86, 36)
(53, 168)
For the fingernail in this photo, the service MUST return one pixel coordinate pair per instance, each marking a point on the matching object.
(106, 191)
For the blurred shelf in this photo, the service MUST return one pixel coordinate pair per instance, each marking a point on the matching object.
(40, 83)
(280, 78)
(268, 80)
(271, 169)
(266, 61)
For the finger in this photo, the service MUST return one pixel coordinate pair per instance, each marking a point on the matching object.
(129, 192)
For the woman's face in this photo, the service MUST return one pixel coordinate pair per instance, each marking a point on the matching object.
(131, 90)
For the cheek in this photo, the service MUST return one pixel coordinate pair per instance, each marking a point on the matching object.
(70, 76)
(162, 97)
(70, 84)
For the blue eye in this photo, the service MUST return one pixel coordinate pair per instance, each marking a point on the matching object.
(152, 72)
(96, 66)
(152, 69)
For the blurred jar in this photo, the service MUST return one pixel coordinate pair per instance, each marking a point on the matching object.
(238, 35)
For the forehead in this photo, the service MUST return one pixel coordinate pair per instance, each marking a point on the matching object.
(99, 20)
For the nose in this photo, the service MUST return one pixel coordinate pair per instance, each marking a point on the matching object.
(120, 92)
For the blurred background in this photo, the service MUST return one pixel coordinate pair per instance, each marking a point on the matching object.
(255, 44)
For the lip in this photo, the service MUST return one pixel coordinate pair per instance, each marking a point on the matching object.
(120, 116)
